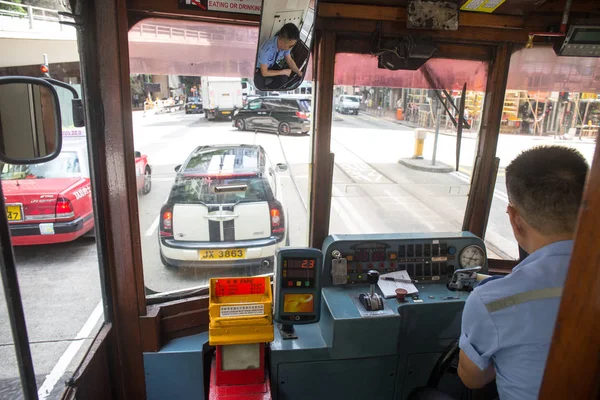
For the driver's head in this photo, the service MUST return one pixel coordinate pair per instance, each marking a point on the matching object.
(545, 186)
(287, 36)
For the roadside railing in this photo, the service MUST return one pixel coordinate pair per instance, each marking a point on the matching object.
(173, 33)
(33, 14)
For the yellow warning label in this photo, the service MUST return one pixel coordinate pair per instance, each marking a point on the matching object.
(486, 6)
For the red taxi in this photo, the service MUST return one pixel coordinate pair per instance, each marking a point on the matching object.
(52, 202)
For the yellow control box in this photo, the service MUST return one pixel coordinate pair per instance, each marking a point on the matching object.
(240, 311)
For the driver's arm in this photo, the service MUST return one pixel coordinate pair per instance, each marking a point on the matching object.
(292, 64)
(479, 341)
(266, 72)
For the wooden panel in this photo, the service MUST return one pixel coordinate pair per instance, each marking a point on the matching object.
(573, 365)
(184, 320)
(104, 57)
(501, 266)
(92, 378)
(150, 330)
(469, 35)
(398, 14)
(161, 8)
(181, 306)
(484, 179)
(320, 204)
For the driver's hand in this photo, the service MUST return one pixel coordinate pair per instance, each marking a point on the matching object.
(299, 73)
(287, 72)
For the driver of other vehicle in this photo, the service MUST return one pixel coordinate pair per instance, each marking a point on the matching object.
(274, 55)
(508, 322)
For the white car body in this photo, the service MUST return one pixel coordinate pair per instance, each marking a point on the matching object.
(223, 209)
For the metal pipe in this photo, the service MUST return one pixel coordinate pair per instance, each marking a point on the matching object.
(10, 282)
(565, 18)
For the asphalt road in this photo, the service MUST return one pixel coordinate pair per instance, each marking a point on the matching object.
(372, 193)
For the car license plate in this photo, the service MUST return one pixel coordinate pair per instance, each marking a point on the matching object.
(229, 254)
(14, 213)
(226, 112)
(193, 106)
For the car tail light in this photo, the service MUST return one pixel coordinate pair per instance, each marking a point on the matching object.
(277, 219)
(166, 221)
(301, 115)
(40, 212)
(64, 208)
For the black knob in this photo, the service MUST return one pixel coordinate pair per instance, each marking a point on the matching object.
(373, 277)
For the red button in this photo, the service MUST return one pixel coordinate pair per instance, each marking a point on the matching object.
(290, 283)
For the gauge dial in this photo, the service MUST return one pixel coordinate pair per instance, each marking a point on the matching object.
(472, 256)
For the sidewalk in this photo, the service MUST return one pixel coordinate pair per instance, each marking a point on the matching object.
(391, 117)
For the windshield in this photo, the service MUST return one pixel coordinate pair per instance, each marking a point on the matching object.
(229, 189)
(194, 100)
(66, 165)
(352, 99)
(206, 191)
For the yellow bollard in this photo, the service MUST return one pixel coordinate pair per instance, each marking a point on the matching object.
(420, 135)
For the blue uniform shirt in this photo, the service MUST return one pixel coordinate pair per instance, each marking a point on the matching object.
(269, 53)
(516, 339)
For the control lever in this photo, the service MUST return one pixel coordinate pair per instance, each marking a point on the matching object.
(372, 301)
(464, 279)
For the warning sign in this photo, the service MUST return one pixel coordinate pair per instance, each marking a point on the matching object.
(486, 6)
(242, 310)
(236, 6)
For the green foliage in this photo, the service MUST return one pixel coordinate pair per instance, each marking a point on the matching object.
(16, 7)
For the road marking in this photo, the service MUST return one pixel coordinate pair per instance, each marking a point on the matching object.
(65, 360)
(153, 227)
(465, 178)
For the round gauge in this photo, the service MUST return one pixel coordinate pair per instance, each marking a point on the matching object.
(472, 256)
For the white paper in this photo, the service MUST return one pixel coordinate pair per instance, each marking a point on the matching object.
(388, 288)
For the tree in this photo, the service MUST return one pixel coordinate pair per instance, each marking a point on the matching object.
(16, 7)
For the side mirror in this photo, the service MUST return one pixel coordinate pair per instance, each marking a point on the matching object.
(177, 168)
(138, 154)
(30, 121)
(281, 167)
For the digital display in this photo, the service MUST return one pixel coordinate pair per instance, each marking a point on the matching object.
(298, 303)
(586, 36)
(299, 273)
(378, 256)
(361, 256)
(299, 263)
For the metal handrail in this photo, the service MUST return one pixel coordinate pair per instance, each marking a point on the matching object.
(191, 34)
(33, 13)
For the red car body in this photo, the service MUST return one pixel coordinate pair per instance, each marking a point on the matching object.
(52, 202)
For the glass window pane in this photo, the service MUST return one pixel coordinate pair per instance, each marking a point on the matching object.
(228, 206)
(378, 186)
(549, 100)
(52, 235)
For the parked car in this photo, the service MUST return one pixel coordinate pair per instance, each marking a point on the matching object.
(225, 209)
(52, 202)
(194, 105)
(282, 114)
(347, 104)
(143, 173)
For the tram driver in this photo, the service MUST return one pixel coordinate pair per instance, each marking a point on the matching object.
(274, 63)
(508, 322)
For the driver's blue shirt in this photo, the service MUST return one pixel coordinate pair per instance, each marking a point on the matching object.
(516, 339)
(269, 53)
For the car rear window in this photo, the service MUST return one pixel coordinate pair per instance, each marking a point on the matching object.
(203, 191)
(353, 99)
(304, 105)
(66, 165)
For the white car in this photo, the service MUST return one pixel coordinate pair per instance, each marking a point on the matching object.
(225, 209)
(347, 104)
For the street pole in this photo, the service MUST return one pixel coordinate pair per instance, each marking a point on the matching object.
(437, 133)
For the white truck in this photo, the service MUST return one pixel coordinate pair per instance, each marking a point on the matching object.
(221, 96)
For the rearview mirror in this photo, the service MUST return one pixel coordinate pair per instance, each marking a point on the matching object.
(284, 44)
(30, 121)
